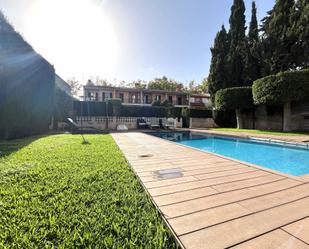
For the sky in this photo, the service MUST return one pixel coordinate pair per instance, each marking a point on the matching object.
(125, 39)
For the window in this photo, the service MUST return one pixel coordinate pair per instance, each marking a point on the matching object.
(111, 95)
(146, 99)
(170, 99)
(103, 96)
(179, 101)
(158, 97)
(96, 96)
(121, 96)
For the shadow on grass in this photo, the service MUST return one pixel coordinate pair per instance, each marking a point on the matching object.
(8, 147)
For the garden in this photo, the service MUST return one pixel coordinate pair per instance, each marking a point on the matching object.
(56, 192)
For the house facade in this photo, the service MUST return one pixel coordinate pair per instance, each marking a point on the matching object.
(135, 96)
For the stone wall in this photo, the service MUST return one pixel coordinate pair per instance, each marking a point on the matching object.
(111, 123)
(202, 123)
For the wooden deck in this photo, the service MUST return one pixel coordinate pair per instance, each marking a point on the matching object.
(214, 202)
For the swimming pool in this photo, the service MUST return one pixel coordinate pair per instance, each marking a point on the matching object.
(287, 159)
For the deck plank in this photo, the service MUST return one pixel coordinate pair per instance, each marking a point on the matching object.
(216, 202)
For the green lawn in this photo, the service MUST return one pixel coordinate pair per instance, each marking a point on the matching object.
(261, 132)
(56, 192)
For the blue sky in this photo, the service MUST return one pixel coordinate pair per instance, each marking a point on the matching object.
(142, 39)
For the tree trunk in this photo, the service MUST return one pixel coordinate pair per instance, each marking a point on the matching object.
(287, 116)
(239, 119)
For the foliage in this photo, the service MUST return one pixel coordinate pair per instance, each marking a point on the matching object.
(282, 87)
(277, 41)
(197, 113)
(27, 83)
(238, 46)
(234, 98)
(164, 84)
(91, 108)
(218, 75)
(143, 111)
(57, 193)
(299, 31)
(198, 89)
(225, 118)
(156, 103)
(63, 106)
(116, 105)
(139, 84)
(75, 86)
(166, 103)
(253, 64)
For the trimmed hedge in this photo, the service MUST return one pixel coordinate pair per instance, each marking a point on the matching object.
(27, 85)
(225, 119)
(89, 108)
(282, 87)
(197, 113)
(143, 111)
(234, 98)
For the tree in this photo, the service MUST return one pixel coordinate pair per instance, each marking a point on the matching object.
(75, 86)
(282, 89)
(102, 82)
(277, 42)
(253, 66)
(299, 31)
(140, 84)
(218, 74)
(165, 84)
(235, 98)
(238, 46)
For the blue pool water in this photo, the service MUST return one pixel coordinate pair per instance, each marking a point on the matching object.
(286, 159)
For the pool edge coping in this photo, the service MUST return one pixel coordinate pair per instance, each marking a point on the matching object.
(297, 178)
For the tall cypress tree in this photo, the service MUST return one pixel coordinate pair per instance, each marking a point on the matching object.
(253, 68)
(218, 75)
(299, 32)
(277, 43)
(238, 46)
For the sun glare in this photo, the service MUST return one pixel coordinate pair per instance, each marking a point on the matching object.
(75, 35)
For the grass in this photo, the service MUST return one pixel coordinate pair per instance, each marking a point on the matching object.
(56, 192)
(280, 133)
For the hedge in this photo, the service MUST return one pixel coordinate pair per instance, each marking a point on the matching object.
(282, 87)
(234, 98)
(90, 108)
(143, 111)
(198, 113)
(27, 84)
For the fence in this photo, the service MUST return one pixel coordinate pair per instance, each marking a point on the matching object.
(111, 123)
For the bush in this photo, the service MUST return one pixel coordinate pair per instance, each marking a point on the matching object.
(197, 113)
(143, 111)
(234, 98)
(89, 108)
(281, 88)
(63, 106)
(156, 103)
(225, 119)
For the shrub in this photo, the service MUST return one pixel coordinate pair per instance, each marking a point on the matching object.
(143, 111)
(89, 108)
(225, 118)
(234, 98)
(282, 87)
(197, 113)
(156, 103)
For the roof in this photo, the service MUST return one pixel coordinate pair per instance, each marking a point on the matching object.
(111, 88)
